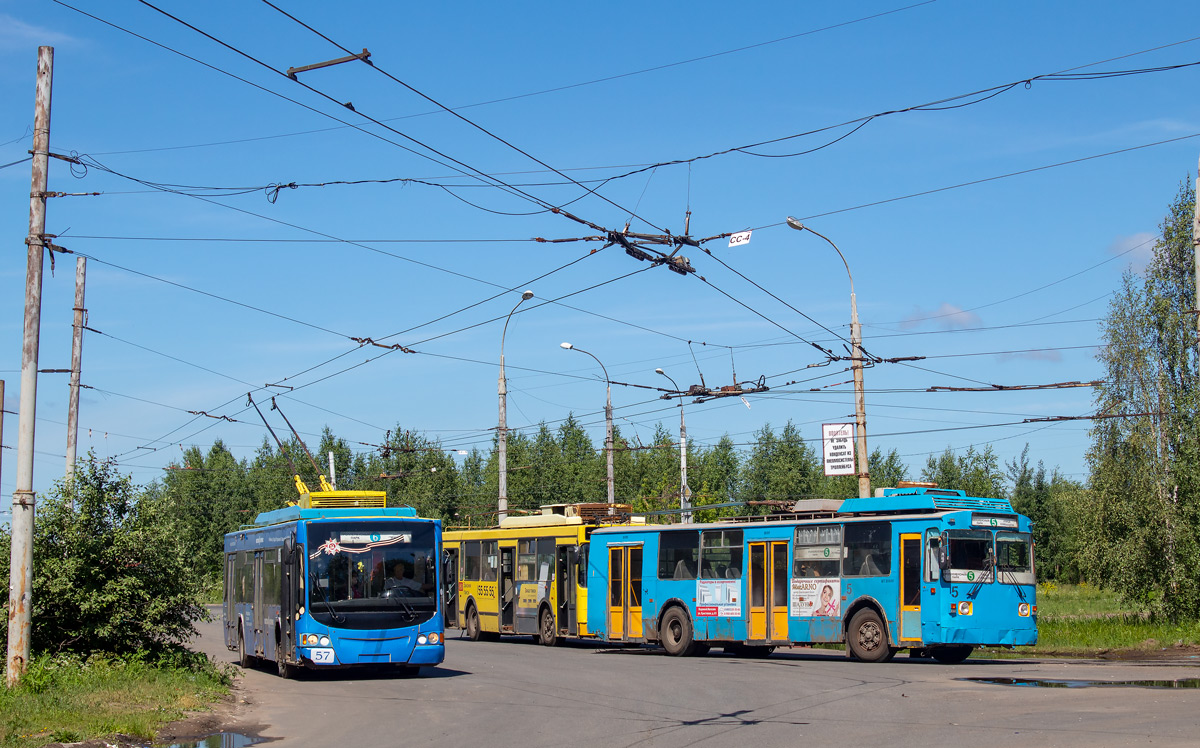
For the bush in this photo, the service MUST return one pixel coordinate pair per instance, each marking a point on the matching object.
(109, 574)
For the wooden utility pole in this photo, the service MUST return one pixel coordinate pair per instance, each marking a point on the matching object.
(76, 366)
(20, 586)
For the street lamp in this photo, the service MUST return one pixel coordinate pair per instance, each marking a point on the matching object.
(608, 435)
(860, 403)
(502, 430)
(685, 492)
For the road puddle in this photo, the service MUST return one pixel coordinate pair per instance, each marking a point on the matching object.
(217, 740)
(1051, 683)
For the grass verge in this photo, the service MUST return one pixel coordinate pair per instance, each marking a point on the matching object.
(66, 698)
(1085, 621)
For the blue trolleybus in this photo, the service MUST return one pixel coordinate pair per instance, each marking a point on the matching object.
(327, 587)
(932, 571)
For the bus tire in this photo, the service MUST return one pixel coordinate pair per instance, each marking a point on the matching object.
(675, 633)
(867, 638)
(474, 632)
(245, 660)
(547, 634)
(282, 668)
(951, 654)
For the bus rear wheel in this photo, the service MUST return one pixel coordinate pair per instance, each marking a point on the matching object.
(867, 637)
(547, 634)
(951, 655)
(473, 630)
(675, 633)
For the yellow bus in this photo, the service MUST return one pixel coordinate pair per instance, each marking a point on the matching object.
(527, 576)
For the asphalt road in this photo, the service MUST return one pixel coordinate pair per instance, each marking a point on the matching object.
(516, 693)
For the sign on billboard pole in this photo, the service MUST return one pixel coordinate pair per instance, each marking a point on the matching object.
(837, 441)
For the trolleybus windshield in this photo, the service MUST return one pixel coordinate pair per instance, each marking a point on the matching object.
(372, 575)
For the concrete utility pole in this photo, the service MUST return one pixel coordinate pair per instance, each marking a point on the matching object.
(608, 427)
(685, 491)
(20, 586)
(76, 366)
(859, 360)
(332, 472)
(502, 429)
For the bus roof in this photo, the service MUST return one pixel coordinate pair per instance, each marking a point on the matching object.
(293, 513)
(907, 500)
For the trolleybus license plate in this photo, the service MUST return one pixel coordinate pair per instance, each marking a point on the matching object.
(321, 656)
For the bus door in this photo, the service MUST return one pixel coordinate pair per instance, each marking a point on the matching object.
(290, 596)
(508, 590)
(769, 584)
(259, 640)
(564, 581)
(625, 592)
(230, 612)
(450, 587)
(910, 586)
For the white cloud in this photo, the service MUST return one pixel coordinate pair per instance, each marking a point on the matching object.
(16, 35)
(947, 316)
(1137, 249)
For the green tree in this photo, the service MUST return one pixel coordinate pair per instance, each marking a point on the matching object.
(109, 571)
(977, 473)
(1144, 520)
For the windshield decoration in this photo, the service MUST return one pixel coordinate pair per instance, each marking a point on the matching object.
(332, 547)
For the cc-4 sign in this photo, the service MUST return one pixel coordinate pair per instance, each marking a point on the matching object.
(740, 238)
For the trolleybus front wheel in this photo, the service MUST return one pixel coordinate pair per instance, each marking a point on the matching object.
(951, 655)
(283, 669)
(675, 633)
(547, 634)
(867, 637)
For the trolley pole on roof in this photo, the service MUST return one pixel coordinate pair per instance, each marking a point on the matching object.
(76, 366)
(20, 586)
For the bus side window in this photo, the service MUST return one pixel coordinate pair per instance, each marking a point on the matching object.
(868, 549)
(491, 550)
(678, 552)
(470, 552)
(583, 564)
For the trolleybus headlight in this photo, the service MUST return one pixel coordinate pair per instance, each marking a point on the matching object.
(308, 640)
(964, 608)
(324, 641)
(421, 639)
(434, 638)
(1023, 610)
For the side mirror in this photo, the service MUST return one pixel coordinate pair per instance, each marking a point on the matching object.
(289, 547)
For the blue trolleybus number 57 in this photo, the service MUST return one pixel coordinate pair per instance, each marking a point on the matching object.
(334, 582)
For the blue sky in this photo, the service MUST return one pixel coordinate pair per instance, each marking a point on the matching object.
(958, 270)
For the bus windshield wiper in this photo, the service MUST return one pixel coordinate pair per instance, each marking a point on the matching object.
(1013, 581)
(988, 565)
(399, 597)
(325, 598)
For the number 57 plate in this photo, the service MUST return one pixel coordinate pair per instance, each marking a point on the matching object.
(322, 656)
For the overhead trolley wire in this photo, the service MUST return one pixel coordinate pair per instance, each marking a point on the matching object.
(477, 126)
(554, 89)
